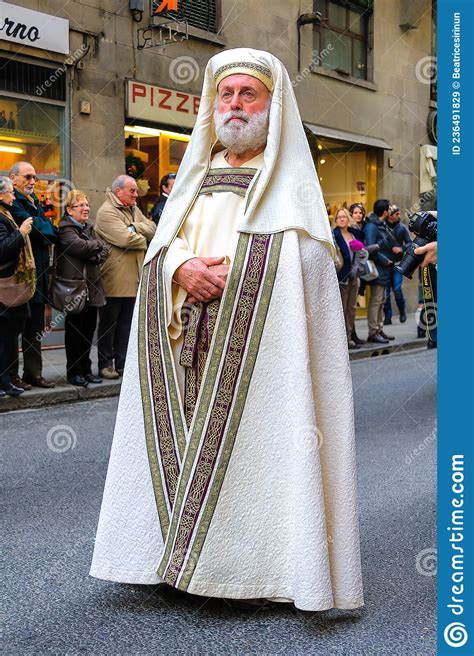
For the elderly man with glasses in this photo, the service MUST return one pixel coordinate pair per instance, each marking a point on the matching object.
(27, 205)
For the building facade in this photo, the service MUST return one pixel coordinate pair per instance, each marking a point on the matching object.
(90, 89)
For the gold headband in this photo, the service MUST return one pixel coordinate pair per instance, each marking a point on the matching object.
(258, 71)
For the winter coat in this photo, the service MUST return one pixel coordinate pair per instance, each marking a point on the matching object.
(157, 210)
(346, 252)
(401, 236)
(376, 232)
(11, 243)
(80, 250)
(42, 236)
(122, 269)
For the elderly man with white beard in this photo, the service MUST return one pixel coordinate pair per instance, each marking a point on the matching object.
(232, 471)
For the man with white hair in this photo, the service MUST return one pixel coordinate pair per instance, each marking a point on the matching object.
(127, 231)
(232, 472)
(43, 235)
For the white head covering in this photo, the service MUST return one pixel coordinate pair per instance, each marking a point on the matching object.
(287, 193)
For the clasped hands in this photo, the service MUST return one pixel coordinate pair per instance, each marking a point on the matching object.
(203, 278)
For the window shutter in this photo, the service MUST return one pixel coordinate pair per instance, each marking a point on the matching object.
(197, 13)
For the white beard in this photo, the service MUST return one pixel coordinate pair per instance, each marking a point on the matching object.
(240, 137)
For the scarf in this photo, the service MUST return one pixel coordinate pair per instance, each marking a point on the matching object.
(25, 270)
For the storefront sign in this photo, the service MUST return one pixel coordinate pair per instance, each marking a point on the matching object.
(33, 28)
(161, 105)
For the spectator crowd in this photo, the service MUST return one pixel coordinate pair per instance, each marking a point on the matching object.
(95, 276)
(96, 272)
(368, 248)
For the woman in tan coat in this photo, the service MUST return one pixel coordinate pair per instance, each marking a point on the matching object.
(121, 224)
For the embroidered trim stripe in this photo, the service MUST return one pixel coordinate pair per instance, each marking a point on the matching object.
(162, 501)
(240, 397)
(164, 431)
(222, 428)
(222, 327)
(231, 180)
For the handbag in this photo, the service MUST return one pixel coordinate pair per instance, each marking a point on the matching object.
(338, 259)
(67, 295)
(13, 293)
(371, 272)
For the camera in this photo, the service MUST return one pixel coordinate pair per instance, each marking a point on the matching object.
(425, 227)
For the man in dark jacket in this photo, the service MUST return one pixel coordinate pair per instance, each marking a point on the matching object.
(27, 205)
(376, 232)
(401, 241)
(166, 185)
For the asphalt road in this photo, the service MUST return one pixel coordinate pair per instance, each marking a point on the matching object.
(53, 481)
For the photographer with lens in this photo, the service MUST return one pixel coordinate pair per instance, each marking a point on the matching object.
(423, 252)
(376, 232)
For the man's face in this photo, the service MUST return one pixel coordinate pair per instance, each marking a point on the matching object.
(394, 218)
(241, 113)
(241, 92)
(129, 194)
(25, 179)
(167, 188)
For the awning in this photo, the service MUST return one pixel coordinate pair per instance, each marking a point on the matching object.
(342, 135)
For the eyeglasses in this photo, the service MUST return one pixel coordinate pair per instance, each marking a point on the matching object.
(81, 206)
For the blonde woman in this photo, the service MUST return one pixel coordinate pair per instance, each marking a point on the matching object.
(349, 239)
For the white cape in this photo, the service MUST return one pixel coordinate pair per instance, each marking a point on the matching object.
(284, 523)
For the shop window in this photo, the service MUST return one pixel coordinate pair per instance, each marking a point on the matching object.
(150, 153)
(21, 77)
(33, 131)
(197, 13)
(340, 41)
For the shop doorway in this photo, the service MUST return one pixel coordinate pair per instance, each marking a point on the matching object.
(347, 173)
(151, 153)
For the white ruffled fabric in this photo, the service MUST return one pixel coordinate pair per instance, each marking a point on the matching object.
(286, 523)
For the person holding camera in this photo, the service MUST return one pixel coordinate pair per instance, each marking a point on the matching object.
(401, 240)
(376, 232)
(423, 252)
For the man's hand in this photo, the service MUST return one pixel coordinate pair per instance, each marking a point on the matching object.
(397, 249)
(198, 277)
(430, 251)
(222, 270)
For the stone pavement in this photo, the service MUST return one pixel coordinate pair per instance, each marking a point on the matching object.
(54, 368)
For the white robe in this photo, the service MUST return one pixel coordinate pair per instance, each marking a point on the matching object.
(285, 522)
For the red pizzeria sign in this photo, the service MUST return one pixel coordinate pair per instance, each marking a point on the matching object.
(161, 105)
